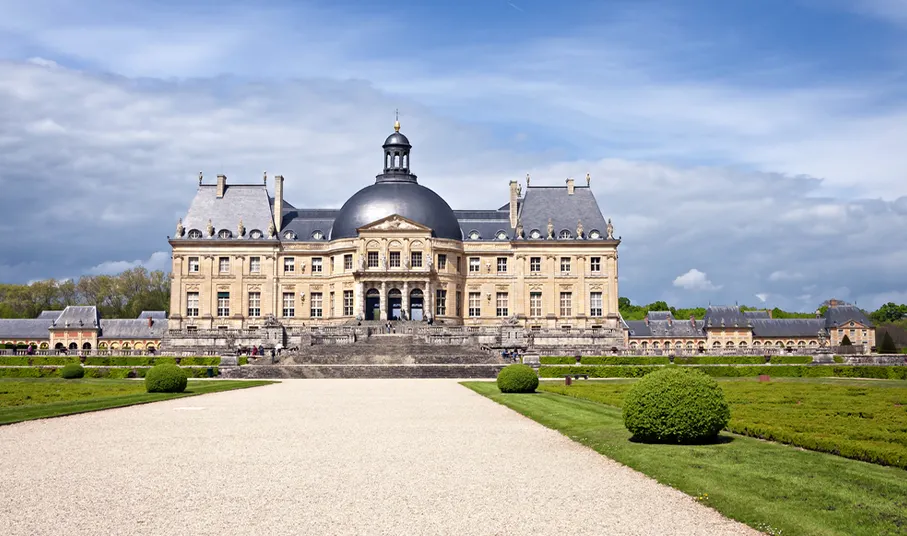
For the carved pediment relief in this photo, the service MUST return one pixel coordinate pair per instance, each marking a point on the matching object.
(394, 222)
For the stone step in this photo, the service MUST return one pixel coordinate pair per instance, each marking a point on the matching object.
(362, 371)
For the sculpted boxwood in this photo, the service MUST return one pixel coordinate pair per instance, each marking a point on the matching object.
(166, 379)
(675, 405)
(72, 371)
(517, 379)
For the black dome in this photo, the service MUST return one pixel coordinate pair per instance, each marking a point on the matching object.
(408, 199)
(397, 139)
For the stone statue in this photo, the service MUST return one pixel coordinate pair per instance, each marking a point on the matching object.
(527, 180)
(240, 229)
(272, 231)
(406, 264)
(610, 230)
(431, 262)
(550, 229)
(361, 262)
(588, 180)
(200, 176)
(519, 228)
(579, 228)
(179, 228)
(266, 178)
(384, 261)
(519, 190)
(210, 229)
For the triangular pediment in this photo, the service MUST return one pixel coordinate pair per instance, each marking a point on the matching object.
(394, 222)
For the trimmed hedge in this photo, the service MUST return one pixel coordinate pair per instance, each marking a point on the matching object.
(72, 371)
(720, 360)
(517, 379)
(791, 360)
(55, 360)
(166, 379)
(675, 405)
(626, 360)
(114, 373)
(14, 360)
(28, 372)
(781, 371)
(557, 360)
(242, 360)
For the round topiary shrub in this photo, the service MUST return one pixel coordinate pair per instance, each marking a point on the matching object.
(675, 405)
(517, 379)
(72, 371)
(166, 378)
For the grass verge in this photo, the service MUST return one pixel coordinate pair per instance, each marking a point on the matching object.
(772, 487)
(23, 399)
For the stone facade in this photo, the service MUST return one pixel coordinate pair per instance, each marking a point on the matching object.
(81, 328)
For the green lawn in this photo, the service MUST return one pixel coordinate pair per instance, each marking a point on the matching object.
(772, 487)
(860, 419)
(23, 399)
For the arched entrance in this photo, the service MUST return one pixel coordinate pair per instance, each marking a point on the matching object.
(59, 346)
(373, 304)
(73, 346)
(394, 304)
(416, 304)
(86, 346)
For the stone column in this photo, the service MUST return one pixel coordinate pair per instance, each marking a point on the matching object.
(429, 301)
(359, 300)
(404, 305)
(383, 301)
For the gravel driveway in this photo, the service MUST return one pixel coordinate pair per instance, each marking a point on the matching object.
(369, 457)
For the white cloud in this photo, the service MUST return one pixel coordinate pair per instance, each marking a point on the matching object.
(763, 297)
(694, 280)
(782, 275)
(159, 260)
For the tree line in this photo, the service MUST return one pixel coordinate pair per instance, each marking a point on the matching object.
(124, 295)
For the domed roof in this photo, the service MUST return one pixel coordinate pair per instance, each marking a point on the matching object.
(408, 199)
(397, 138)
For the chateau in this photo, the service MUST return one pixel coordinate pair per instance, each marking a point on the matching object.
(395, 250)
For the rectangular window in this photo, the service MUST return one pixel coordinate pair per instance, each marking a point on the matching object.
(254, 304)
(416, 258)
(317, 265)
(332, 265)
(223, 265)
(535, 264)
(223, 304)
(502, 265)
(395, 259)
(595, 264)
(502, 309)
(333, 304)
(459, 302)
(535, 304)
(474, 264)
(441, 302)
(347, 262)
(442, 261)
(595, 304)
(289, 265)
(565, 265)
(372, 259)
(347, 303)
(316, 305)
(289, 304)
(475, 304)
(193, 265)
(566, 304)
(192, 304)
(458, 265)
(255, 265)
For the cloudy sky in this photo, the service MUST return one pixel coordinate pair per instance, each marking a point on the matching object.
(746, 151)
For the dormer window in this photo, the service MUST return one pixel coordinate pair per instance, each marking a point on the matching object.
(224, 233)
(318, 235)
(289, 235)
(564, 235)
(474, 235)
(535, 233)
(256, 234)
(501, 235)
(594, 234)
(195, 234)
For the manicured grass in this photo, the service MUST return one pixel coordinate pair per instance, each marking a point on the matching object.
(860, 419)
(23, 399)
(769, 486)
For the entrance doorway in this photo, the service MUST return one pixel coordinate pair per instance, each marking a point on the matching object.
(373, 304)
(415, 305)
(394, 304)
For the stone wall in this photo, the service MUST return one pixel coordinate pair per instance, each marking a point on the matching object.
(362, 371)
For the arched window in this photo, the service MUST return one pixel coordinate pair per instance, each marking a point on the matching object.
(535, 233)
(645, 345)
(779, 344)
(565, 234)
(689, 345)
(318, 235)
(256, 234)
(224, 233)
(289, 235)
(730, 344)
(102, 346)
(86, 346)
(474, 235)
(801, 343)
(742, 344)
(501, 235)
(44, 346)
(757, 343)
(667, 346)
(59, 346)
(716, 344)
(73, 346)
(633, 346)
(594, 234)
(655, 345)
(195, 234)
(125, 346)
(396, 160)
(813, 343)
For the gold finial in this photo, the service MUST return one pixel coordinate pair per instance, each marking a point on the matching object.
(397, 120)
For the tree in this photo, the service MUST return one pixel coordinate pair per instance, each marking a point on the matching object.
(887, 346)
(623, 303)
(846, 341)
(890, 312)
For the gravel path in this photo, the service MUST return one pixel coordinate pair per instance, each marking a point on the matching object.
(369, 457)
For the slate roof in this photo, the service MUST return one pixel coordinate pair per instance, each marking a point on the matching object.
(241, 201)
(543, 202)
(24, 328)
(787, 327)
(757, 314)
(78, 316)
(663, 324)
(730, 315)
(161, 315)
(49, 315)
(487, 222)
(305, 221)
(842, 314)
(131, 329)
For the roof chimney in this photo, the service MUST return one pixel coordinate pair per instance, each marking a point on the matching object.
(769, 311)
(693, 320)
(514, 202)
(221, 186)
(647, 319)
(570, 187)
(278, 202)
(150, 321)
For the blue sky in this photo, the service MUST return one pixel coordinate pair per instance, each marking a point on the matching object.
(747, 151)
